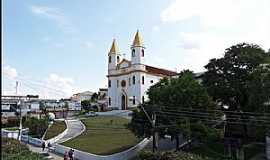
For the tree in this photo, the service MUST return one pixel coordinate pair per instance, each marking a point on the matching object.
(86, 105)
(94, 97)
(226, 78)
(171, 96)
(232, 80)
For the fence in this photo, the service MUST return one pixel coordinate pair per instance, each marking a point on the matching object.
(24, 138)
(127, 154)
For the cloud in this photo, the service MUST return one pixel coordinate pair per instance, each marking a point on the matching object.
(222, 24)
(54, 14)
(216, 13)
(156, 28)
(58, 87)
(10, 71)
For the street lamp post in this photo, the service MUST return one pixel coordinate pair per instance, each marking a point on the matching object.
(151, 120)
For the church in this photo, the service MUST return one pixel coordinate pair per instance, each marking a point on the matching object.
(129, 80)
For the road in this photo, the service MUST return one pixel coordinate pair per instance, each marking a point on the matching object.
(75, 127)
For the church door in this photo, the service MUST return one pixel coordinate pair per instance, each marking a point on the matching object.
(123, 104)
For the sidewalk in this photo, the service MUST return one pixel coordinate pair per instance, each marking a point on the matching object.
(38, 150)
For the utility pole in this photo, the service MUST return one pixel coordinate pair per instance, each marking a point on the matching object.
(152, 122)
(19, 104)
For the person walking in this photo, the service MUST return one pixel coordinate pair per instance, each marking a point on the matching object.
(70, 154)
(66, 155)
(43, 145)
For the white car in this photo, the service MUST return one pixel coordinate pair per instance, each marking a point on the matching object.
(91, 114)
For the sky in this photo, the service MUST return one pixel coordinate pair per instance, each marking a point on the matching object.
(57, 48)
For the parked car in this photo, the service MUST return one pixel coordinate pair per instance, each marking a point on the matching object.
(91, 114)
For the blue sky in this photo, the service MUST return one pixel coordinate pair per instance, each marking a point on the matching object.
(57, 48)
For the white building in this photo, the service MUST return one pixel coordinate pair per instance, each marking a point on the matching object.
(87, 95)
(131, 78)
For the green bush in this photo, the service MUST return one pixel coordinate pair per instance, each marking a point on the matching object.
(37, 127)
(13, 149)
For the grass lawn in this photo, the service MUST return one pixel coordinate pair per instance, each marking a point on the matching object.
(104, 135)
(12, 128)
(56, 128)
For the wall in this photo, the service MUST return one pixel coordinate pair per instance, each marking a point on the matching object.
(125, 155)
(25, 138)
(268, 148)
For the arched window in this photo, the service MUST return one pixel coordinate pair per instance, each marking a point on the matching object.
(118, 59)
(142, 79)
(142, 52)
(142, 99)
(123, 83)
(110, 59)
(109, 83)
(133, 52)
(117, 83)
(133, 79)
(109, 101)
(134, 102)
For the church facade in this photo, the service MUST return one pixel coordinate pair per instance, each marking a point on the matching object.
(129, 80)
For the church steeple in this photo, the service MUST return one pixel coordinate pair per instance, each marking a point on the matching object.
(137, 49)
(138, 41)
(114, 56)
(114, 48)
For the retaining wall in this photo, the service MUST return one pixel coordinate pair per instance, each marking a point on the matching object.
(125, 155)
(24, 138)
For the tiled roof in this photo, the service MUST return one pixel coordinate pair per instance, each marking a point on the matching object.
(160, 71)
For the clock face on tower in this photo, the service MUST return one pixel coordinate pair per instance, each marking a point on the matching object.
(123, 83)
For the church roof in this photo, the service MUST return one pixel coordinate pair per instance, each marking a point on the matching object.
(138, 41)
(114, 48)
(154, 70)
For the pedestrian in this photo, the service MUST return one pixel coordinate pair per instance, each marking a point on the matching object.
(70, 154)
(66, 155)
(43, 145)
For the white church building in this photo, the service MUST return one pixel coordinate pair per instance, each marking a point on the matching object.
(129, 80)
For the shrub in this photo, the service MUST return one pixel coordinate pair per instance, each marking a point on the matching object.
(36, 126)
(13, 149)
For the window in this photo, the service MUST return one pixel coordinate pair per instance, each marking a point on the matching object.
(133, 79)
(118, 59)
(142, 52)
(142, 79)
(109, 83)
(109, 101)
(134, 102)
(142, 99)
(129, 81)
(151, 81)
(133, 52)
(123, 83)
(110, 59)
(117, 83)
